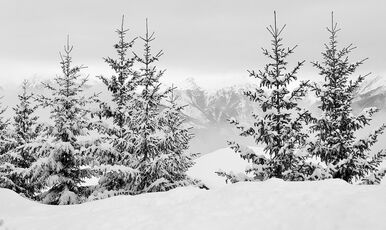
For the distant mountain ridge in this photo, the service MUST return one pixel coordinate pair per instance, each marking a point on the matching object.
(372, 93)
(207, 111)
(216, 107)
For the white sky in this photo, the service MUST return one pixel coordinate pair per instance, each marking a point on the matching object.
(214, 42)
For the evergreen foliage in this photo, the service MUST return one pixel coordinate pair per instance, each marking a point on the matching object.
(114, 157)
(149, 100)
(6, 144)
(348, 157)
(5, 137)
(25, 122)
(60, 149)
(139, 154)
(144, 152)
(159, 144)
(137, 139)
(167, 168)
(26, 130)
(279, 128)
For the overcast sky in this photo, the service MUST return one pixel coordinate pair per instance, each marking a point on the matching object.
(211, 41)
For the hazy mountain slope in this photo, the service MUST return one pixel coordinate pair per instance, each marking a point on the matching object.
(207, 111)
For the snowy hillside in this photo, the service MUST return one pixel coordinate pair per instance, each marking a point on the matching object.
(273, 204)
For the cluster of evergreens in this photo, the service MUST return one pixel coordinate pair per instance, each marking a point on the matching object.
(298, 145)
(134, 142)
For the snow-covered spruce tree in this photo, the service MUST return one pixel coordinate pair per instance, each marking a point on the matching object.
(159, 144)
(114, 158)
(26, 130)
(59, 149)
(167, 168)
(5, 136)
(348, 158)
(25, 122)
(279, 128)
(6, 144)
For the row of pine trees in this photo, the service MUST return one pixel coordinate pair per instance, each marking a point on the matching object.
(136, 140)
(299, 145)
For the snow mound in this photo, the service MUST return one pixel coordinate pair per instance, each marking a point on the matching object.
(223, 159)
(274, 204)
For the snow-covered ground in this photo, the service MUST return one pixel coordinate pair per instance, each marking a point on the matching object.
(223, 159)
(274, 204)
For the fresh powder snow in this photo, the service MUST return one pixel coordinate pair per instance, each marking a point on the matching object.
(273, 204)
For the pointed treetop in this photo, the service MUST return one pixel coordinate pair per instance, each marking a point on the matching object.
(25, 84)
(332, 19)
(273, 30)
(147, 26)
(122, 31)
(147, 36)
(68, 48)
(334, 25)
(274, 18)
(123, 21)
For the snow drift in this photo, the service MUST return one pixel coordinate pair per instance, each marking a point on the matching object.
(274, 204)
(205, 167)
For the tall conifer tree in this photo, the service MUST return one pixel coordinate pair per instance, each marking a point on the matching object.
(150, 99)
(167, 168)
(5, 140)
(279, 128)
(25, 121)
(60, 150)
(349, 158)
(6, 144)
(26, 130)
(159, 146)
(115, 158)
